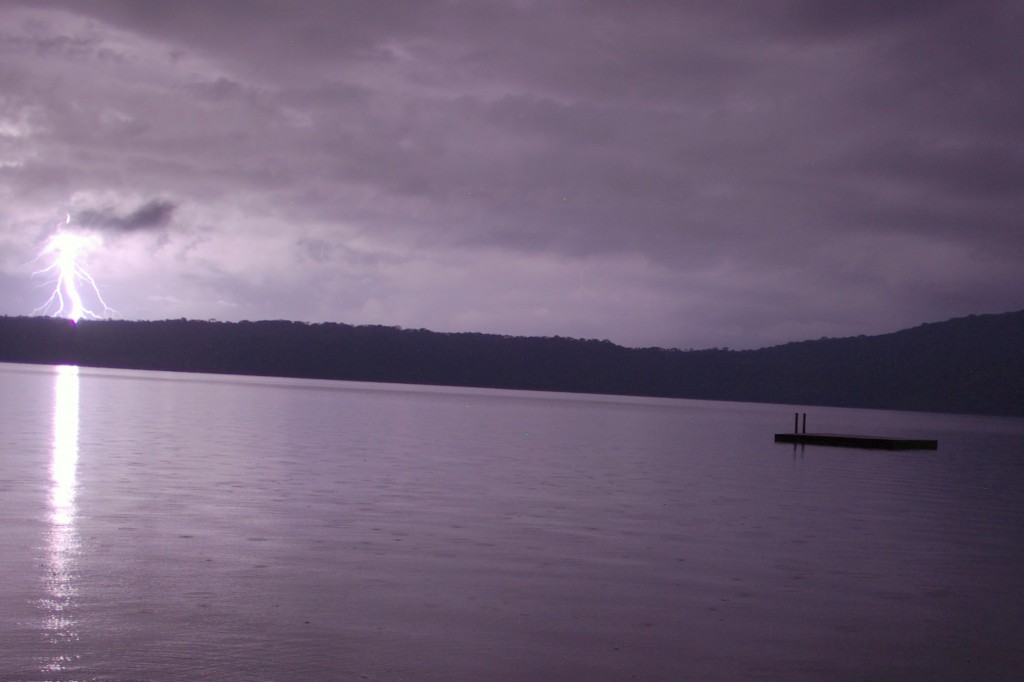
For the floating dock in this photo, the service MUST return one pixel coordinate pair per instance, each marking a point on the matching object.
(848, 441)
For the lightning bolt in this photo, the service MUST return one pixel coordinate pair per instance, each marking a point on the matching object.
(66, 251)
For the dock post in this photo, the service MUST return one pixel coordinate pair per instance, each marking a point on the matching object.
(805, 422)
(796, 422)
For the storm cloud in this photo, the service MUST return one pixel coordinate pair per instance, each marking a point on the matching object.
(153, 215)
(683, 174)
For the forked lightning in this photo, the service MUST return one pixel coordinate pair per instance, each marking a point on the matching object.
(66, 250)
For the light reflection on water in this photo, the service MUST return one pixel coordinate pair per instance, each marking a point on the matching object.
(63, 546)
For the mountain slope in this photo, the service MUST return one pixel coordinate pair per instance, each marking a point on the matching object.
(972, 365)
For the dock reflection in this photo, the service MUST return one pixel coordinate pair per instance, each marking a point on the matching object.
(63, 542)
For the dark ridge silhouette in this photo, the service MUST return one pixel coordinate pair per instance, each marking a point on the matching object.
(969, 365)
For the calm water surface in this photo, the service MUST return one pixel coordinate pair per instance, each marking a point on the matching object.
(179, 527)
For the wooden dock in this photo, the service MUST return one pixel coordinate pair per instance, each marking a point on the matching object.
(849, 441)
(840, 440)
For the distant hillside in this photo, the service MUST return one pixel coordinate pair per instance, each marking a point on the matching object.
(971, 365)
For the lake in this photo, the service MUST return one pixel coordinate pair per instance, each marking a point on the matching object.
(160, 526)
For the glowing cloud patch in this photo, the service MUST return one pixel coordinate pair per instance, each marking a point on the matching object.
(66, 250)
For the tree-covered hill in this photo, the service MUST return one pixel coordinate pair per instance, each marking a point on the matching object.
(971, 365)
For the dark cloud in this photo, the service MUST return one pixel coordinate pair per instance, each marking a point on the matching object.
(153, 215)
(832, 19)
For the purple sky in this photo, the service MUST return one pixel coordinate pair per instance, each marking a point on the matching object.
(677, 174)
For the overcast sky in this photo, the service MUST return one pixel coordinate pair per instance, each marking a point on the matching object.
(661, 172)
